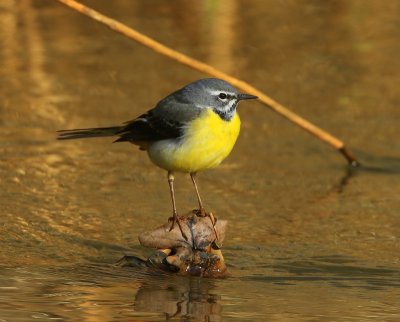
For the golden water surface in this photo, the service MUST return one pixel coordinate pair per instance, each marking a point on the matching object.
(308, 239)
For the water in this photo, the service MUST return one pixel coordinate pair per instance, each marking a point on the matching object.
(309, 239)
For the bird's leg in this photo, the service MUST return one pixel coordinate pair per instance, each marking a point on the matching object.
(202, 211)
(174, 218)
(201, 208)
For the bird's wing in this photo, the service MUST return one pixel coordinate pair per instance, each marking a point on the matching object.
(166, 121)
(149, 127)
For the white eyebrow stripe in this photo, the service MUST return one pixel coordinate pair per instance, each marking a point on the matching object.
(214, 92)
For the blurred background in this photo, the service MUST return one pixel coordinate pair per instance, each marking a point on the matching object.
(309, 239)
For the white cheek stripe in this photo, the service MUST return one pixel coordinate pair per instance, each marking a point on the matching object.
(227, 107)
(201, 106)
(232, 102)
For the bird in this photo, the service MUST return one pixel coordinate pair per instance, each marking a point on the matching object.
(191, 130)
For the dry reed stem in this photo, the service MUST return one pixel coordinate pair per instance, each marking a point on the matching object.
(207, 69)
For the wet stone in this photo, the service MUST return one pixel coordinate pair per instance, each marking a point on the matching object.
(200, 255)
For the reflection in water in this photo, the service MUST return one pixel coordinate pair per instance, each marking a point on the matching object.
(186, 299)
(31, 59)
(292, 287)
(223, 37)
(9, 41)
(371, 164)
(102, 293)
(308, 239)
(344, 181)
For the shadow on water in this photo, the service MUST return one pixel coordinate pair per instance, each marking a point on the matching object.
(339, 271)
(336, 270)
(372, 164)
(379, 164)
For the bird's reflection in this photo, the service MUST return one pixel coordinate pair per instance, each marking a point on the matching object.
(179, 298)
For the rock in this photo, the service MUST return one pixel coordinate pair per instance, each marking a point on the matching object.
(200, 255)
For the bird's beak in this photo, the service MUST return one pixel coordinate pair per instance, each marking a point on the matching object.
(241, 97)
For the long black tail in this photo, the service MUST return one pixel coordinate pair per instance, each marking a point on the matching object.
(89, 133)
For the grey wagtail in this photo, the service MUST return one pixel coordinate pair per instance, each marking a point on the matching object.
(190, 130)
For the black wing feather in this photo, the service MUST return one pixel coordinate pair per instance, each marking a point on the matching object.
(166, 121)
(148, 127)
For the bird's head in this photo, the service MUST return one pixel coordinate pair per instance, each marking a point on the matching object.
(215, 94)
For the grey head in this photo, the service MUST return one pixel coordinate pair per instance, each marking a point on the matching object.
(208, 93)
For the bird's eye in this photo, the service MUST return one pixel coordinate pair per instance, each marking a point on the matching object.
(222, 96)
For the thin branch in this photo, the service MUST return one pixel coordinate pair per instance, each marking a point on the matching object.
(207, 69)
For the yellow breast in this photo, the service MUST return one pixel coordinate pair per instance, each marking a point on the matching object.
(207, 141)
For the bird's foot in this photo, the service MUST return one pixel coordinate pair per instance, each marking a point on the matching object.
(213, 222)
(202, 213)
(175, 219)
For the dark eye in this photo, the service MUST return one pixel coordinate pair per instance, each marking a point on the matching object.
(222, 96)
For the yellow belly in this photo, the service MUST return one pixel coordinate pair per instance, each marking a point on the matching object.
(207, 141)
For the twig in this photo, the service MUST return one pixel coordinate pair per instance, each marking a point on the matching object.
(207, 69)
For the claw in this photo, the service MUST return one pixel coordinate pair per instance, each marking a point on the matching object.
(213, 222)
(175, 219)
(201, 212)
